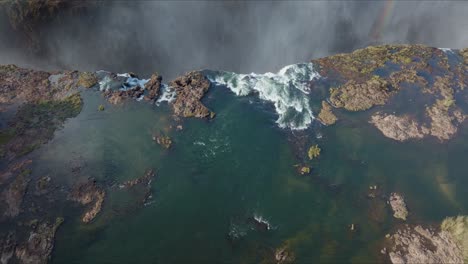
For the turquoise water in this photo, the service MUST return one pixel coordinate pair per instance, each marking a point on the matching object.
(219, 174)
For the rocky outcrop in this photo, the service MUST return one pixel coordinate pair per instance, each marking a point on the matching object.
(400, 128)
(18, 85)
(397, 202)
(87, 79)
(423, 245)
(190, 90)
(326, 115)
(144, 180)
(358, 96)
(39, 245)
(163, 140)
(153, 87)
(90, 195)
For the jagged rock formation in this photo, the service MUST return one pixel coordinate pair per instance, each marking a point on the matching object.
(91, 195)
(190, 90)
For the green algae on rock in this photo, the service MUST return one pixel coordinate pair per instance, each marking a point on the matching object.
(87, 79)
(35, 123)
(91, 195)
(313, 152)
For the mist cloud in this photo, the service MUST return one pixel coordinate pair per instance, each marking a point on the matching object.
(175, 37)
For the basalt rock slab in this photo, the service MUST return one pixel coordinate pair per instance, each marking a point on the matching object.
(190, 89)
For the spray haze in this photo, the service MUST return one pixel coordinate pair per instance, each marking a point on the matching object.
(175, 37)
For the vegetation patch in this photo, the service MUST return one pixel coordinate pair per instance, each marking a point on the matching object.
(87, 79)
(314, 152)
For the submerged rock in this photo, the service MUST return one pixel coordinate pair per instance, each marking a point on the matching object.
(400, 128)
(163, 140)
(87, 79)
(398, 205)
(13, 196)
(284, 255)
(190, 89)
(38, 247)
(423, 245)
(91, 195)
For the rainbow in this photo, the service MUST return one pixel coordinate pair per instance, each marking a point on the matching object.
(382, 20)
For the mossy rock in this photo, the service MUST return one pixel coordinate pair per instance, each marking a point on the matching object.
(101, 108)
(304, 170)
(314, 152)
(87, 79)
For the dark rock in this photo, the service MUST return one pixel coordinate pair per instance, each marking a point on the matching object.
(153, 87)
(190, 89)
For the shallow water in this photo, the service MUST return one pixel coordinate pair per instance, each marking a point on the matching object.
(219, 174)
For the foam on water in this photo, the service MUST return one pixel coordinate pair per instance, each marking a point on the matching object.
(287, 89)
(168, 94)
(446, 50)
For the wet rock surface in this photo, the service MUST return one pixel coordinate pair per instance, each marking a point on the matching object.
(190, 90)
(153, 86)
